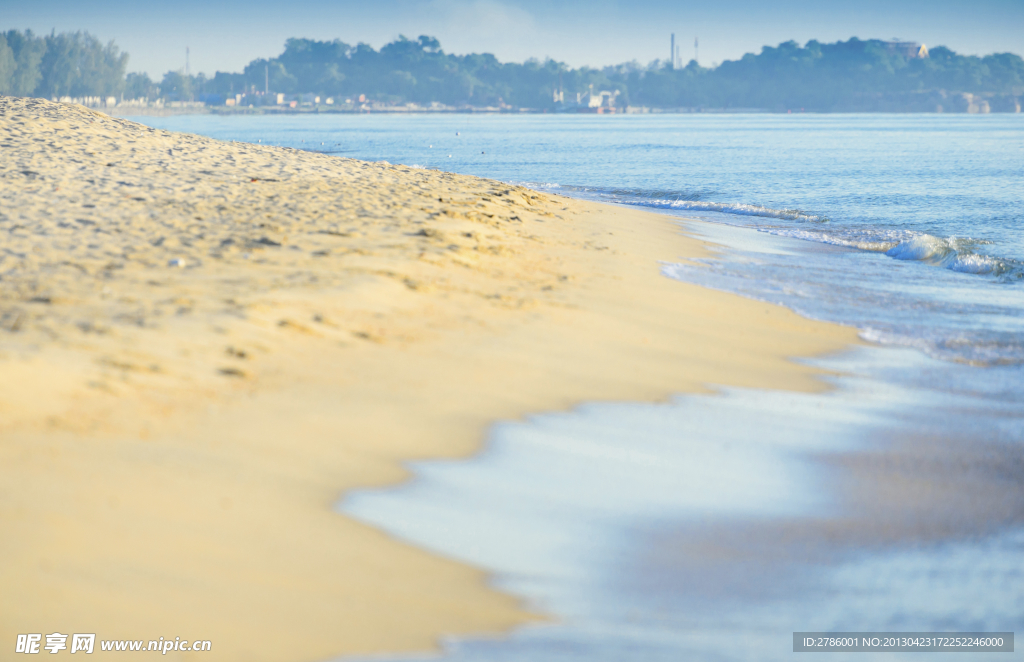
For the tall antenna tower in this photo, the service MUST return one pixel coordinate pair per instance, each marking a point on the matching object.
(186, 60)
(672, 51)
(696, 52)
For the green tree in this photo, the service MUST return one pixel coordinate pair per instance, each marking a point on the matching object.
(176, 86)
(226, 84)
(77, 64)
(28, 53)
(7, 67)
(139, 86)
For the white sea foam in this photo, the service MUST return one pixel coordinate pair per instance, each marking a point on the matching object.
(876, 242)
(953, 253)
(728, 208)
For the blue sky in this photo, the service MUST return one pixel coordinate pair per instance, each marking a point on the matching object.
(226, 35)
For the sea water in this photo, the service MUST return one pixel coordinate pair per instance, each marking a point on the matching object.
(907, 227)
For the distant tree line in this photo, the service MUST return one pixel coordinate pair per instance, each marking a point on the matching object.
(853, 75)
(846, 75)
(74, 64)
(403, 71)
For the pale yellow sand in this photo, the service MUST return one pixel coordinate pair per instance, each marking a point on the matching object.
(174, 437)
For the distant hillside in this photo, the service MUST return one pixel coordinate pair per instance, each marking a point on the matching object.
(851, 76)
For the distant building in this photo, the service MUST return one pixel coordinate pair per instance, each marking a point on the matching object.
(911, 49)
(602, 99)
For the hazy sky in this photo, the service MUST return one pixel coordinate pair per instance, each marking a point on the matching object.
(226, 35)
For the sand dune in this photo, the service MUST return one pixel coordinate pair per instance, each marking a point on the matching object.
(204, 344)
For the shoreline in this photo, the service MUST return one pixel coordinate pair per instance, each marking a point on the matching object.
(764, 510)
(134, 111)
(209, 342)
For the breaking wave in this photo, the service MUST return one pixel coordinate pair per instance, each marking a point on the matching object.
(954, 253)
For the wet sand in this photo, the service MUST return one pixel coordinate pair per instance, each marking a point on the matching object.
(205, 344)
(914, 494)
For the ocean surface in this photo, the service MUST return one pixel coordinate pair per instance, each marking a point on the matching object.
(652, 532)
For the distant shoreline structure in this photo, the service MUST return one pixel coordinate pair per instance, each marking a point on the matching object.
(965, 104)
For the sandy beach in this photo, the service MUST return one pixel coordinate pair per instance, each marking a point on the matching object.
(205, 344)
